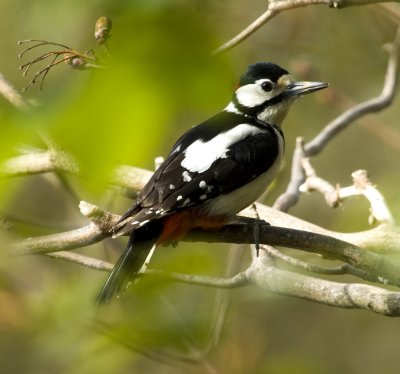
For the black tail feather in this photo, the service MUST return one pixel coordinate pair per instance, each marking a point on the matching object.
(131, 261)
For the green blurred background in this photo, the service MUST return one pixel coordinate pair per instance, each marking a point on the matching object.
(160, 80)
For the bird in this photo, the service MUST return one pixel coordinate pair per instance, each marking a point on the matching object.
(213, 171)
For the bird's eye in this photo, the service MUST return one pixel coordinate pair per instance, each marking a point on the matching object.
(267, 86)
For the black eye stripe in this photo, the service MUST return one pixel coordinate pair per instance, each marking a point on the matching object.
(267, 86)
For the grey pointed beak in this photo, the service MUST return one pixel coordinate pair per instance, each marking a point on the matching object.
(302, 88)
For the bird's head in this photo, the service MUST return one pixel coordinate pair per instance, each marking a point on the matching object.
(266, 91)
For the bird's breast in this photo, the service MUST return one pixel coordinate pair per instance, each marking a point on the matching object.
(232, 203)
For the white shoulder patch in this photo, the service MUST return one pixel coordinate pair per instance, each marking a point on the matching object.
(199, 156)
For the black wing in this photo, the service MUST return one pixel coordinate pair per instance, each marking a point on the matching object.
(168, 191)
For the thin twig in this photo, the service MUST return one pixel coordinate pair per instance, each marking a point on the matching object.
(89, 262)
(314, 183)
(273, 8)
(41, 42)
(238, 280)
(73, 58)
(45, 70)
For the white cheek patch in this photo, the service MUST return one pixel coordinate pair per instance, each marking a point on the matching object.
(199, 156)
(251, 95)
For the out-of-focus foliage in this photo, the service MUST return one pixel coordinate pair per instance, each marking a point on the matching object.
(161, 79)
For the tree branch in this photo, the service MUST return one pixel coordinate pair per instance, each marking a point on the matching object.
(362, 186)
(320, 141)
(89, 262)
(235, 233)
(238, 280)
(73, 239)
(38, 162)
(343, 295)
(376, 104)
(306, 241)
(263, 275)
(274, 7)
(380, 239)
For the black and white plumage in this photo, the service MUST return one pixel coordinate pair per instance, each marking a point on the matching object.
(213, 171)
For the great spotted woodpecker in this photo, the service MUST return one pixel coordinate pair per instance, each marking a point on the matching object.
(213, 171)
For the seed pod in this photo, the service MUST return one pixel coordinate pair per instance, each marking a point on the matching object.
(76, 62)
(102, 29)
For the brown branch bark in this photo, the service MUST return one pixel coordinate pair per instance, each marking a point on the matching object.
(274, 7)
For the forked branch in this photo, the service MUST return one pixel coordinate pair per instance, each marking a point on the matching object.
(332, 129)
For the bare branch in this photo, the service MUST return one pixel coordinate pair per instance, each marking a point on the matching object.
(92, 233)
(38, 162)
(310, 242)
(275, 7)
(343, 295)
(315, 183)
(320, 141)
(234, 233)
(376, 104)
(382, 238)
(362, 186)
(379, 209)
(265, 276)
(35, 162)
(238, 280)
(89, 262)
(77, 238)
